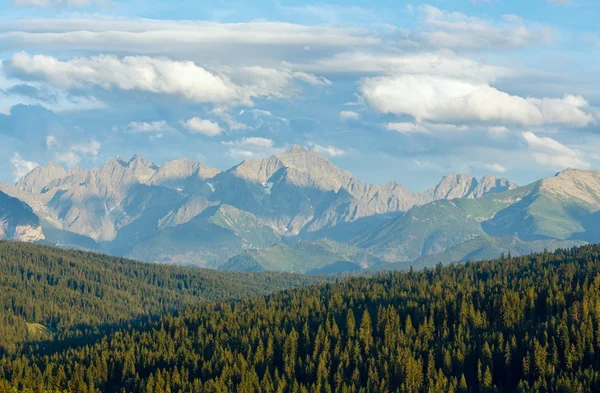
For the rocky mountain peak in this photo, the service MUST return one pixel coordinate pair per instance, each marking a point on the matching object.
(455, 186)
(491, 184)
(583, 185)
(39, 177)
(296, 149)
(176, 172)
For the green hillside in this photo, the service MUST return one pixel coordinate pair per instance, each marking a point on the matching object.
(423, 230)
(521, 324)
(207, 240)
(564, 207)
(319, 257)
(485, 247)
(74, 293)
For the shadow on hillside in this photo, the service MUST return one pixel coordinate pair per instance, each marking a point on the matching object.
(82, 335)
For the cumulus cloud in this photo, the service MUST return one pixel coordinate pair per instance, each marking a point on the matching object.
(51, 141)
(161, 76)
(91, 148)
(196, 125)
(441, 99)
(441, 62)
(154, 127)
(329, 150)
(251, 148)
(143, 73)
(21, 167)
(349, 115)
(549, 152)
(68, 158)
(495, 167)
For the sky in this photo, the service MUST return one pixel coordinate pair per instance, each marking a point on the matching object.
(388, 90)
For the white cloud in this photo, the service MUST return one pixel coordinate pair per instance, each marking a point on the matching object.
(154, 127)
(21, 167)
(92, 148)
(425, 128)
(329, 150)
(349, 115)
(142, 73)
(407, 128)
(51, 141)
(439, 62)
(231, 85)
(456, 30)
(232, 124)
(441, 99)
(549, 152)
(145, 36)
(196, 125)
(68, 158)
(251, 147)
(495, 167)
(258, 142)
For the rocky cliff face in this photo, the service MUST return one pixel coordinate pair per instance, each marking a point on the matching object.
(39, 177)
(17, 221)
(295, 193)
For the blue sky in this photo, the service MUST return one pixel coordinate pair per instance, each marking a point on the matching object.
(389, 90)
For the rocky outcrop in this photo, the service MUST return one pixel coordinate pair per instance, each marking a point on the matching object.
(17, 221)
(39, 177)
(490, 184)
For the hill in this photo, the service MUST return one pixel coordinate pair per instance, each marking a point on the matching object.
(320, 257)
(484, 247)
(520, 324)
(76, 293)
(561, 208)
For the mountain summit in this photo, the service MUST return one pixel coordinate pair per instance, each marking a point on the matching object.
(186, 212)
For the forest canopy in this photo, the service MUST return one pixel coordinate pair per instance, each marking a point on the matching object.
(514, 324)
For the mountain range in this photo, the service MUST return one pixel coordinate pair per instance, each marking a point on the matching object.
(294, 211)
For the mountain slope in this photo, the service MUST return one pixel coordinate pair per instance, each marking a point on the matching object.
(563, 207)
(526, 324)
(78, 295)
(320, 257)
(486, 247)
(17, 220)
(207, 240)
(560, 207)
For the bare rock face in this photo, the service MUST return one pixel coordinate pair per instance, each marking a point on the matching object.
(28, 233)
(574, 184)
(39, 177)
(455, 186)
(298, 192)
(194, 206)
(17, 221)
(490, 184)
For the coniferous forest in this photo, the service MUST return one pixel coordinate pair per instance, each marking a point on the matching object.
(515, 324)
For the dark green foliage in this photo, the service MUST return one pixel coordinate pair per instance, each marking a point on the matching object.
(74, 294)
(516, 324)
